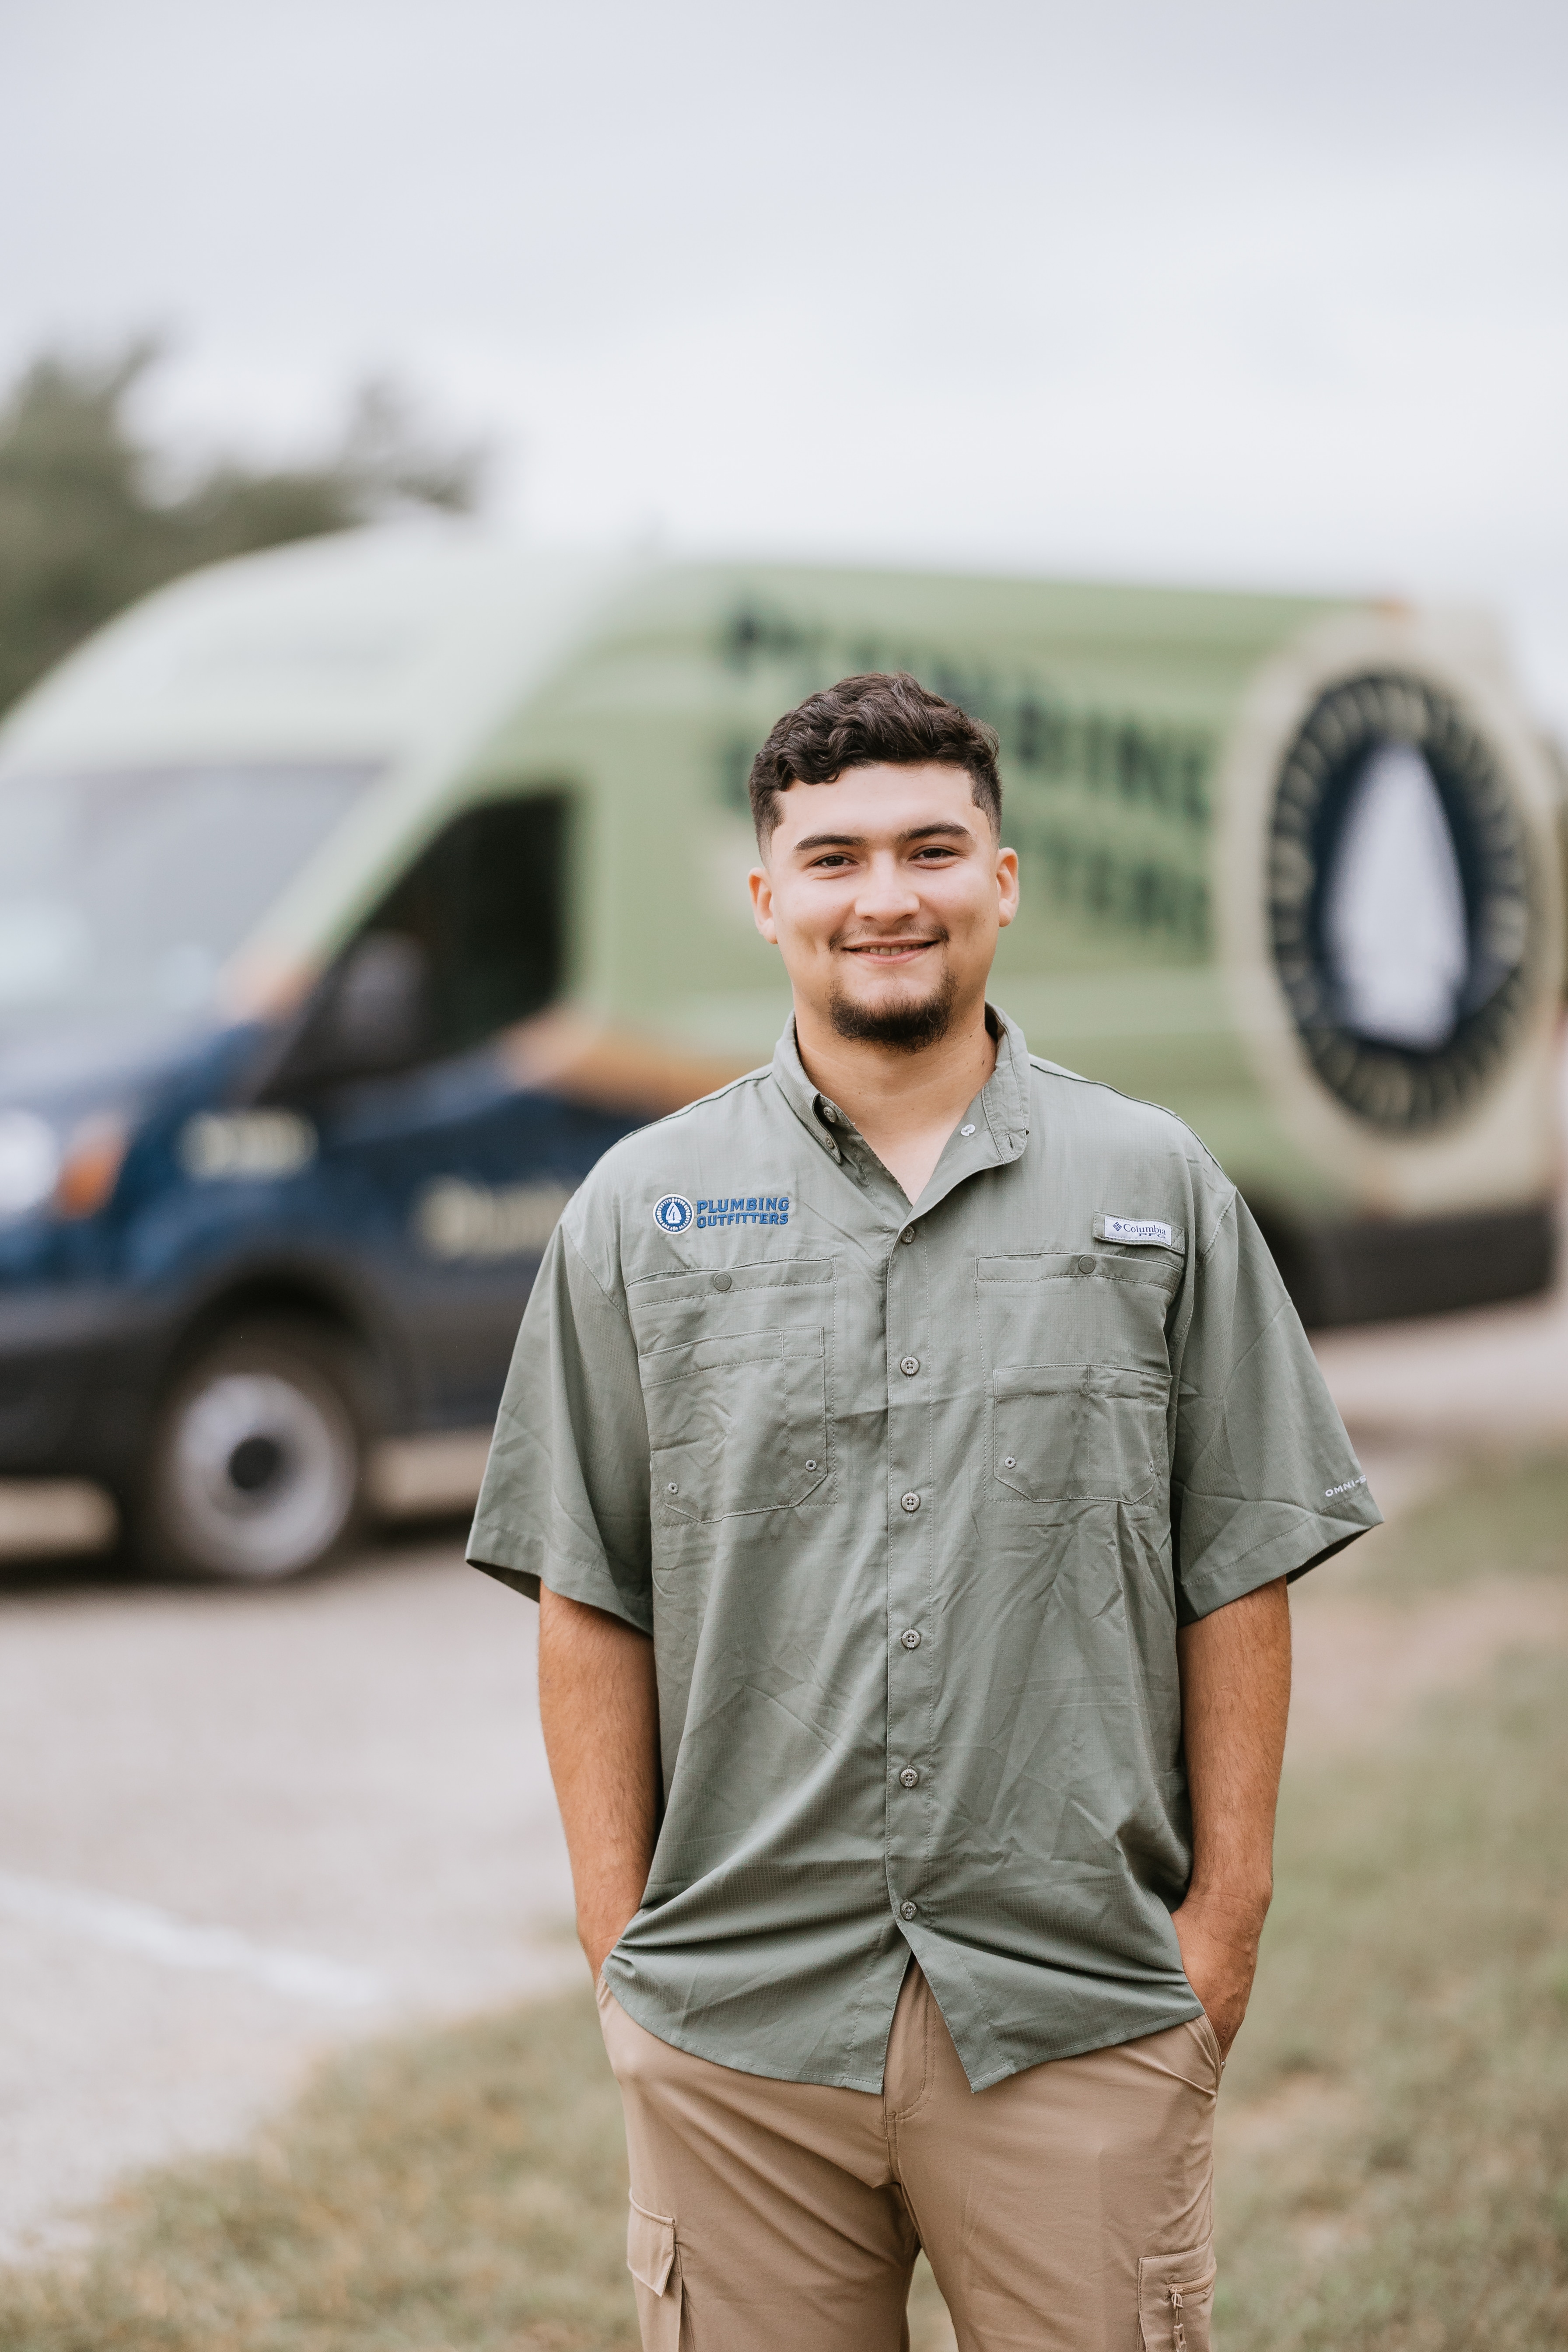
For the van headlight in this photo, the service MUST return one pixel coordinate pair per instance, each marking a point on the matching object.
(74, 1175)
(29, 1162)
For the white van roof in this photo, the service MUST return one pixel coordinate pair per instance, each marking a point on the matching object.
(381, 644)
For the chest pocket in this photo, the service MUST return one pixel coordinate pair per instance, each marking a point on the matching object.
(737, 1422)
(1061, 1432)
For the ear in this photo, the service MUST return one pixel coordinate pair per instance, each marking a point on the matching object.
(1006, 886)
(759, 882)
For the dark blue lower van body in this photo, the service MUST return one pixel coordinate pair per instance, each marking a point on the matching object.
(276, 1273)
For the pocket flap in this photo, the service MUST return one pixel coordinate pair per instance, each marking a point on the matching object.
(650, 2248)
(1175, 2300)
(727, 1352)
(1072, 1379)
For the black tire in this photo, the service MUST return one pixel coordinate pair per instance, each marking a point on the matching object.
(256, 1470)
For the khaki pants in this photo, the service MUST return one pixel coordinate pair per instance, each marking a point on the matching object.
(1066, 2209)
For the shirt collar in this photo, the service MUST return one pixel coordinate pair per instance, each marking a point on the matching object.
(1004, 1098)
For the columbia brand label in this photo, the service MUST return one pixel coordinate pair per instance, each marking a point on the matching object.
(1348, 1488)
(673, 1214)
(1145, 1232)
(753, 1209)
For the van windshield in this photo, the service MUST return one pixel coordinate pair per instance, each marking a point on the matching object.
(126, 889)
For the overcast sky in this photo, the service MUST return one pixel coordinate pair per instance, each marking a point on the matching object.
(1268, 293)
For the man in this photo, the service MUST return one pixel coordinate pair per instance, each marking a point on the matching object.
(909, 1446)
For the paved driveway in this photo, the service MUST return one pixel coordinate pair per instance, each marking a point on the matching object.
(235, 1828)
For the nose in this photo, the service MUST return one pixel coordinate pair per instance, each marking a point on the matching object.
(886, 894)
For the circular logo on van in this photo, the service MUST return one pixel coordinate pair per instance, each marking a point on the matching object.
(1400, 901)
(672, 1214)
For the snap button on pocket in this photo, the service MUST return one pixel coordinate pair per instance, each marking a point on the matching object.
(722, 1282)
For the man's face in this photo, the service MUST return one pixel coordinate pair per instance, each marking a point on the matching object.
(884, 891)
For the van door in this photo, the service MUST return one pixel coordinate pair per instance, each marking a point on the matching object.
(440, 1179)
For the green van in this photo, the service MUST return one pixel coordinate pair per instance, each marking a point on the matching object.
(355, 896)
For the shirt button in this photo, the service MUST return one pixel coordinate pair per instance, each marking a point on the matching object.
(909, 1778)
(722, 1282)
(911, 1640)
(672, 1489)
(811, 1465)
(967, 1130)
(907, 1910)
(908, 1234)
(829, 1114)
(908, 1502)
(909, 1366)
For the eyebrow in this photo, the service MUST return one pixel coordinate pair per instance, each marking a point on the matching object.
(947, 828)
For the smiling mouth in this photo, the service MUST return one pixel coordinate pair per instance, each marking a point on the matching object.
(889, 951)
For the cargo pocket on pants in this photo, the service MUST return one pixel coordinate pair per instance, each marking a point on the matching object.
(651, 2260)
(1175, 2300)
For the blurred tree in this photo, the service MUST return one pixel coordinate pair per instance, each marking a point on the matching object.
(88, 521)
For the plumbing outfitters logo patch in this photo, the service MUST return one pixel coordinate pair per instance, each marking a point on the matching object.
(755, 1209)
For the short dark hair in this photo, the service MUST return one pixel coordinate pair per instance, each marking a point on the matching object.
(861, 722)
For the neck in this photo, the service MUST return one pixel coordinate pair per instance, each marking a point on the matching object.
(906, 1105)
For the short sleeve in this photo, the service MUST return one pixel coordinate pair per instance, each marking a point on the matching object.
(564, 1500)
(1263, 1482)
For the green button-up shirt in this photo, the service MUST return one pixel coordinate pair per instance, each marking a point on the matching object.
(912, 1501)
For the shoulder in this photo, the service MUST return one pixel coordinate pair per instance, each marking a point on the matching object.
(1090, 1102)
(1122, 1129)
(663, 1156)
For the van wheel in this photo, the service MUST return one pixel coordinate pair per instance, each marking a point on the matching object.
(258, 1457)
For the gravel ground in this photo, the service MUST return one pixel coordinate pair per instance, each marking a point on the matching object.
(237, 1828)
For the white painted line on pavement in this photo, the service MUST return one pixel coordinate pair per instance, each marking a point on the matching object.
(178, 1943)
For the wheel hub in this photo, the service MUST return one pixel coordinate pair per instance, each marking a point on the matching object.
(255, 1462)
(261, 1471)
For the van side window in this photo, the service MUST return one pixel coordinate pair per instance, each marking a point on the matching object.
(485, 905)
(469, 941)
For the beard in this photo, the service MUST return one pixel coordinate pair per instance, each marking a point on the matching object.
(908, 1027)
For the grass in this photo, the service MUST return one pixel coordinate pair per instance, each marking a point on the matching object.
(457, 2189)
(1393, 2146)
(1502, 1517)
(1393, 2135)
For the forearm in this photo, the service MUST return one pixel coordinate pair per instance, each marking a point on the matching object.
(598, 1703)
(1235, 1670)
